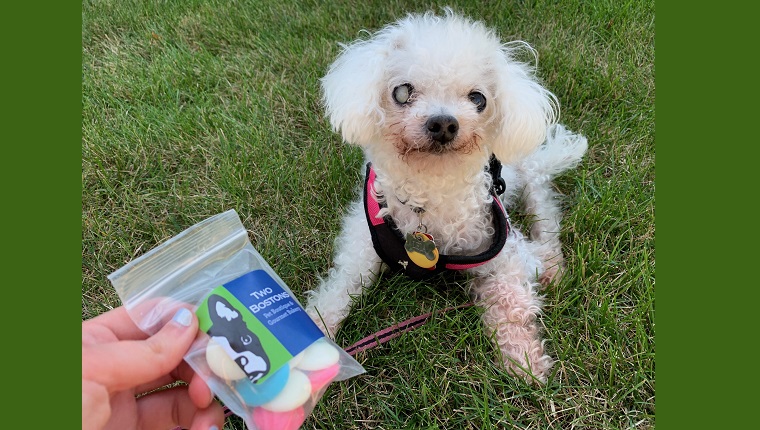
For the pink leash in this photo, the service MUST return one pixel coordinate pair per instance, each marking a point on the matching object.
(396, 330)
(383, 336)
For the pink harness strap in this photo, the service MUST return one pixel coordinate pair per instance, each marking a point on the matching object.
(373, 206)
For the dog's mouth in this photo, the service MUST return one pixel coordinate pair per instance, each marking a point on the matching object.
(437, 148)
(425, 146)
(436, 136)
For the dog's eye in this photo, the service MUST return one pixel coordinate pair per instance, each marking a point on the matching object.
(479, 100)
(246, 339)
(402, 93)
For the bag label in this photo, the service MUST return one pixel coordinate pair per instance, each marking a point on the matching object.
(259, 324)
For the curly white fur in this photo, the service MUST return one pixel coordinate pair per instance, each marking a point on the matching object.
(446, 63)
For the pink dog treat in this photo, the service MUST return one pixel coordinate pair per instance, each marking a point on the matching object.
(320, 378)
(270, 420)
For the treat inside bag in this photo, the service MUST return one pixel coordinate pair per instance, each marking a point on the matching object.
(257, 349)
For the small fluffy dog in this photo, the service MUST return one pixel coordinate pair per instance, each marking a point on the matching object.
(455, 131)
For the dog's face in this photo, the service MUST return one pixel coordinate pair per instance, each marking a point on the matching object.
(435, 88)
(229, 330)
(431, 112)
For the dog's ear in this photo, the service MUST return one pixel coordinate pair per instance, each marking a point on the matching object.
(221, 309)
(524, 108)
(352, 90)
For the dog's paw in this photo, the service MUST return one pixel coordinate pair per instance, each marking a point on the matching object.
(551, 274)
(553, 268)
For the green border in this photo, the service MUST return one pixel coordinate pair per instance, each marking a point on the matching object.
(671, 176)
(706, 236)
(41, 179)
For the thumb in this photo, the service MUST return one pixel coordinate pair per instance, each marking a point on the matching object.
(130, 363)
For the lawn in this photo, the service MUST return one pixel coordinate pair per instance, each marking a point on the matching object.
(191, 108)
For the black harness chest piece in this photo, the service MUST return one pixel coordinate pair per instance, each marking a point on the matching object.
(389, 242)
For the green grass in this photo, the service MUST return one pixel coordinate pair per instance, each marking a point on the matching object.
(191, 108)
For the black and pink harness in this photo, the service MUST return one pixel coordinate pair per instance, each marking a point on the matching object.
(389, 242)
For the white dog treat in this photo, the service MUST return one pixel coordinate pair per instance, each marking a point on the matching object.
(295, 361)
(319, 355)
(221, 363)
(296, 392)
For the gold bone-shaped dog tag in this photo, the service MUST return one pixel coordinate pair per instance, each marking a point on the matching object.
(421, 249)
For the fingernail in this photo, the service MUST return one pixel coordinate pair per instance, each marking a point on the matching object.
(213, 428)
(183, 317)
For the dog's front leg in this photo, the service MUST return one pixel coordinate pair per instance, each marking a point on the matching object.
(508, 296)
(355, 265)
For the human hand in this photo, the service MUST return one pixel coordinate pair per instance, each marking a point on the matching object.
(120, 362)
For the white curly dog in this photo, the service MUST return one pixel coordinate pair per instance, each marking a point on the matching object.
(437, 103)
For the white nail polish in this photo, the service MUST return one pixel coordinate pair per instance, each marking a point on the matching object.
(183, 317)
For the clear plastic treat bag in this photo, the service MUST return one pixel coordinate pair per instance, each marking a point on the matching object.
(257, 349)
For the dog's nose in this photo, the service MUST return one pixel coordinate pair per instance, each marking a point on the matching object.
(442, 128)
